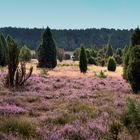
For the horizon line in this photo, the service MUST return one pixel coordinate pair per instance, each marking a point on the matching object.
(18, 27)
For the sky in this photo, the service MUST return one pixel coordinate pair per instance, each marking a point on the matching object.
(70, 14)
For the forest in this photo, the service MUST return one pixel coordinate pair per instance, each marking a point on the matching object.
(71, 39)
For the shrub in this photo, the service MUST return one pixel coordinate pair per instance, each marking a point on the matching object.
(60, 54)
(91, 60)
(102, 62)
(17, 126)
(114, 130)
(132, 71)
(102, 75)
(83, 60)
(111, 64)
(47, 51)
(67, 56)
(76, 54)
(125, 64)
(25, 54)
(131, 116)
(16, 74)
(118, 59)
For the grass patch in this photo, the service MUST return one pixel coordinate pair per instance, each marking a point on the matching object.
(62, 120)
(101, 74)
(17, 126)
(73, 111)
(44, 71)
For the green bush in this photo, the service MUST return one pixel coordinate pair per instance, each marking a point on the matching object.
(133, 71)
(83, 60)
(102, 62)
(67, 56)
(126, 63)
(130, 118)
(118, 59)
(111, 64)
(17, 126)
(25, 54)
(91, 60)
(102, 75)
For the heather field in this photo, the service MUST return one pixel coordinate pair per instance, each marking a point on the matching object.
(64, 104)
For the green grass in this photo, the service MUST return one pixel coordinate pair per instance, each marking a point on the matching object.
(71, 112)
(17, 126)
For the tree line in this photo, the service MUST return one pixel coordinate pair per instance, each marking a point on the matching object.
(71, 39)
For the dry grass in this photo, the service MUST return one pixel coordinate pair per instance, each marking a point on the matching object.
(71, 69)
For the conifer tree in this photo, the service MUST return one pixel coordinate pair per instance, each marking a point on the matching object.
(111, 66)
(47, 54)
(83, 60)
(135, 41)
(109, 51)
(132, 71)
(3, 51)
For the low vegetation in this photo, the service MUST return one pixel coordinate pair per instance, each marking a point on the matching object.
(59, 101)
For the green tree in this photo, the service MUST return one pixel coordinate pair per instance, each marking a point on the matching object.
(47, 53)
(132, 71)
(3, 51)
(119, 52)
(111, 66)
(109, 51)
(135, 38)
(25, 54)
(16, 74)
(76, 54)
(83, 60)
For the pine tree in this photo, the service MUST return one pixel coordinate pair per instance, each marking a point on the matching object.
(109, 51)
(47, 54)
(3, 51)
(83, 60)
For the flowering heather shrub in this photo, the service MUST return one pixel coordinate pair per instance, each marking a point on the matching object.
(114, 130)
(11, 109)
(119, 103)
